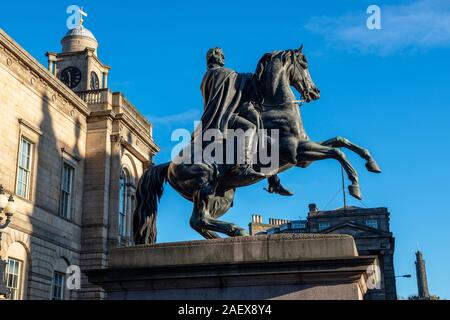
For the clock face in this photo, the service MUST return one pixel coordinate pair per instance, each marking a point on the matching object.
(71, 77)
(95, 84)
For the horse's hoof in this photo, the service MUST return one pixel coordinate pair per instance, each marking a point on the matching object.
(372, 166)
(355, 192)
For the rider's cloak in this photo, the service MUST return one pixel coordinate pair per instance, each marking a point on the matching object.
(222, 91)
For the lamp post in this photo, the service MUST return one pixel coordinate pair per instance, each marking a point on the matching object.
(7, 210)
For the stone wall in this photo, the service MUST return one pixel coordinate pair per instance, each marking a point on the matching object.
(35, 105)
(98, 138)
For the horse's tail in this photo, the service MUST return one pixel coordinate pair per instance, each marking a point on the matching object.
(148, 194)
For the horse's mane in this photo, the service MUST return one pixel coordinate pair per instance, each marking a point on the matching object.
(267, 58)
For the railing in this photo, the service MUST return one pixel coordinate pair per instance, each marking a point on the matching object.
(94, 96)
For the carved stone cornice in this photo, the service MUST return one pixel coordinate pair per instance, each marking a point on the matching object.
(102, 114)
(30, 126)
(37, 73)
(148, 141)
(88, 52)
(120, 140)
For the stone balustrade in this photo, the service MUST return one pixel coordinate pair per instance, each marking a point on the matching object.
(94, 96)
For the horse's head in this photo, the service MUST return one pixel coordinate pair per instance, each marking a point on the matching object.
(300, 78)
(294, 66)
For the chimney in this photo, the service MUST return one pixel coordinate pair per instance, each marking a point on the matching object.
(312, 209)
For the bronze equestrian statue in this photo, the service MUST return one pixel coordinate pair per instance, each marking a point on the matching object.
(252, 102)
(222, 90)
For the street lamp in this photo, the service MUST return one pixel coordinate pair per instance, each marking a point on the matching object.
(7, 210)
(404, 276)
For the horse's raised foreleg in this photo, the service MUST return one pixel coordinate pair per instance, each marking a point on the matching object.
(206, 207)
(340, 142)
(309, 151)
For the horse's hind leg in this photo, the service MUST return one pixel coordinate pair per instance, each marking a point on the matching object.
(220, 204)
(310, 151)
(339, 142)
(200, 212)
(197, 225)
(207, 206)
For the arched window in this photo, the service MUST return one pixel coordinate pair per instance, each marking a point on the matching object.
(126, 207)
(123, 197)
(16, 271)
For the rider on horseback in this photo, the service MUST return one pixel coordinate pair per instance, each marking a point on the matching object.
(225, 108)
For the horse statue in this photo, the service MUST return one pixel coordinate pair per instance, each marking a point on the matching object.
(211, 193)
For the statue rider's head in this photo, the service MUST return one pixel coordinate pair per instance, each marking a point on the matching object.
(215, 57)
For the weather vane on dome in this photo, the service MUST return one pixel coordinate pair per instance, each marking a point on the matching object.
(82, 14)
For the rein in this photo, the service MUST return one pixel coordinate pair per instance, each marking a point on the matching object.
(299, 102)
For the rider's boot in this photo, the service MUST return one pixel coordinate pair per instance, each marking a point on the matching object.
(246, 169)
(276, 187)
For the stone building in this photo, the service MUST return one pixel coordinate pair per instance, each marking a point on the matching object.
(72, 153)
(369, 227)
(421, 274)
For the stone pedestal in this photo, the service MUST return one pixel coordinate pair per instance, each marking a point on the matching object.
(282, 266)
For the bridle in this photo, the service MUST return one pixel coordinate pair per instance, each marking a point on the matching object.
(299, 102)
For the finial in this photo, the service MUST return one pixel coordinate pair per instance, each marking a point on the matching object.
(82, 14)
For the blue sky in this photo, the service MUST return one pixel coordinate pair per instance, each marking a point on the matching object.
(384, 89)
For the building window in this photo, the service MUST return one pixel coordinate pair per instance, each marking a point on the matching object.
(13, 277)
(372, 223)
(323, 225)
(127, 203)
(24, 168)
(298, 225)
(66, 191)
(58, 286)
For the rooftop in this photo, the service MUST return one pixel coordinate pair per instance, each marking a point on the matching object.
(80, 31)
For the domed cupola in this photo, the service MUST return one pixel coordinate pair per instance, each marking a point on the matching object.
(78, 39)
(78, 65)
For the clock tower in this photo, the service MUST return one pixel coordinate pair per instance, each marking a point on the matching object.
(78, 66)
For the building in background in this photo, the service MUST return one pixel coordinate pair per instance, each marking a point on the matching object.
(72, 153)
(422, 283)
(369, 227)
